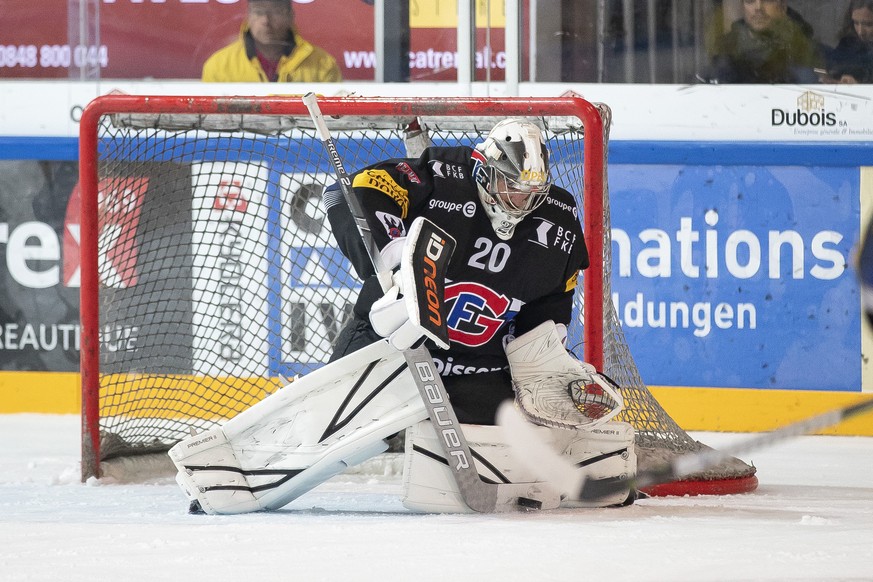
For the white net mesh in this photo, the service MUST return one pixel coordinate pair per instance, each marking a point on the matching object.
(219, 277)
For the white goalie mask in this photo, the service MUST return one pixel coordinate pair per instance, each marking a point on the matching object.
(512, 173)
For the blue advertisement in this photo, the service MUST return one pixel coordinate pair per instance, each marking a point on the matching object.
(738, 276)
(732, 263)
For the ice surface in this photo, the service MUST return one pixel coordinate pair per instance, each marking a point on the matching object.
(811, 519)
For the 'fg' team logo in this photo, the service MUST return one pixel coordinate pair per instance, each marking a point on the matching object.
(475, 313)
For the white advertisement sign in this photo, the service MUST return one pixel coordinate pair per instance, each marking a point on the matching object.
(779, 113)
(229, 247)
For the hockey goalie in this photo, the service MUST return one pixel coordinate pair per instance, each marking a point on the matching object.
(478, 258)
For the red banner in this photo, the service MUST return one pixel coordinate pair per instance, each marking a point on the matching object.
(171, 39)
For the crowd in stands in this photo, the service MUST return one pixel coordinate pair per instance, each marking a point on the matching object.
(770, 43)
(773, 43)
(852, 59)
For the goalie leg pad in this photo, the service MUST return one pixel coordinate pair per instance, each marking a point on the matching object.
(212, 475)
(429, 485)
(605, 451)
(302, 435)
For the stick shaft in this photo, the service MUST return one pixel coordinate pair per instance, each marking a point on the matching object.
(477, 494)
(311, 102)
(701, 461)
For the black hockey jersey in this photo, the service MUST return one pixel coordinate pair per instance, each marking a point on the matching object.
(494, 288)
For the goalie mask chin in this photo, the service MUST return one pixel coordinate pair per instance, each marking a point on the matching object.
(512, 173)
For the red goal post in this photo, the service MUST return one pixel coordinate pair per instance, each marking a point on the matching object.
(163, 177)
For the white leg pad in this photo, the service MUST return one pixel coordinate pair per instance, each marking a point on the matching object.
(302, 435)
(606, 450)
(221, 489)
(429, 485)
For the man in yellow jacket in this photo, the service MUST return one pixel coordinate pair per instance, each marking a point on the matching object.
(270, 49)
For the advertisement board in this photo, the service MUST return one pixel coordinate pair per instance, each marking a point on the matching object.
(723, 275)
(738, 276)
(39, 301)
(735, 211)
(171, 39)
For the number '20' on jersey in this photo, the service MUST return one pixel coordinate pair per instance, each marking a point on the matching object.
(494, 287)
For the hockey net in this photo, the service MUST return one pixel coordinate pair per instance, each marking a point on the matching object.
(210, 276)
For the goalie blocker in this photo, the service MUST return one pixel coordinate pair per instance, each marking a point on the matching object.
(341, 414)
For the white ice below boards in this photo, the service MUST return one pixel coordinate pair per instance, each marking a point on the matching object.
(810, 519)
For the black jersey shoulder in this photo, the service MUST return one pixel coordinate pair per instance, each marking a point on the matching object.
(410, 182)
(413, 171)
(436, 164)
(560, 205)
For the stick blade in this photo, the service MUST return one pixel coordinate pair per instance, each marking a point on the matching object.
(529, 445)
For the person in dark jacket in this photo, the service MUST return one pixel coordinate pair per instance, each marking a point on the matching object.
(766, 46)
(852, 60)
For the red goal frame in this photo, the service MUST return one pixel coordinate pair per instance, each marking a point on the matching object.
(330, 106)
(603, 343)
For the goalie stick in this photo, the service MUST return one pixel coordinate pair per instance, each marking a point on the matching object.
(477, 494)
(523, 438)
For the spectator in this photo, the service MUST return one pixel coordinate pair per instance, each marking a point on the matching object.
(766, 46)
(852, 60)
(270, 49)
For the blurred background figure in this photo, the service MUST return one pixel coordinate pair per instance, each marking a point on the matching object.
(767, 45)
(852, 60)
(269, 49)
(865, 272)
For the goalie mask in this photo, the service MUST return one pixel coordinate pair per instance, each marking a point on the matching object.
(512, 173)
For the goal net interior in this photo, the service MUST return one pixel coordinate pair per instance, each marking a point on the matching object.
(210, 276)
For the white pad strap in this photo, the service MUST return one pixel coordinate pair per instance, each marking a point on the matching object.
(215, 491)
(392, 253)
(553, 388)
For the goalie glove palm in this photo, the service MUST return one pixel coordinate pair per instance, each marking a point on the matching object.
(552, 388)
(390, 318)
